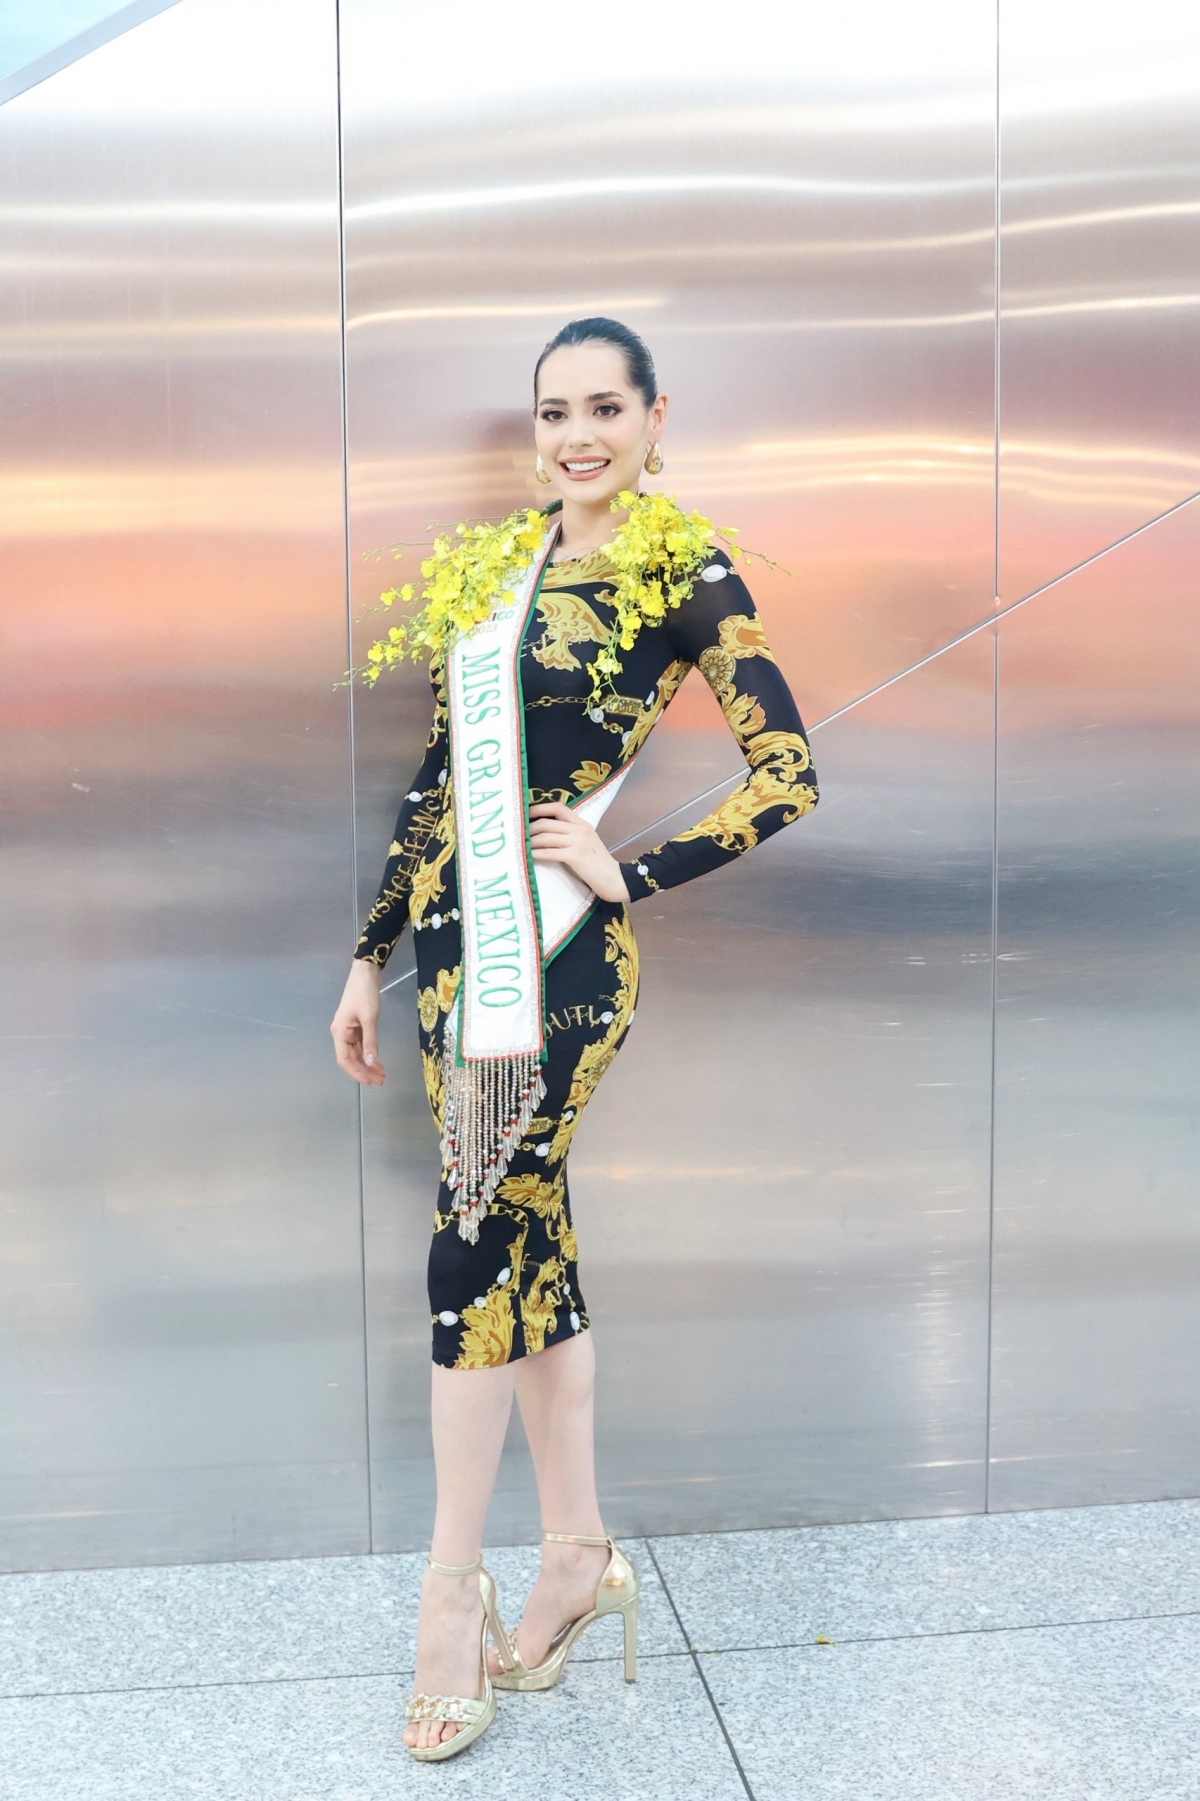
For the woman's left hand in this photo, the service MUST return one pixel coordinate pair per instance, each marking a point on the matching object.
(557, 835)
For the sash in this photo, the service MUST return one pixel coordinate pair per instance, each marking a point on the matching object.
(563, 900)
(515, 916)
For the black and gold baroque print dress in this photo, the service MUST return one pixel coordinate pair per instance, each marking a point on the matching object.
(516, 1291)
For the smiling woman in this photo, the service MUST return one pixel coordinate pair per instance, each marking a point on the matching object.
(545, 690)
(596, 435)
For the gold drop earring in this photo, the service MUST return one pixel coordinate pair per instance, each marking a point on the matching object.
(653, 464)
(539, 472)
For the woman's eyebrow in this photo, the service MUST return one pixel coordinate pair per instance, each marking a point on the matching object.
(608, 394)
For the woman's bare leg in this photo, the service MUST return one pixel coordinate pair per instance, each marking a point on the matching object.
(470, 1418)
(555, 1390)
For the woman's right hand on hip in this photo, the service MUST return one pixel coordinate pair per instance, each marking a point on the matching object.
(355, 1026)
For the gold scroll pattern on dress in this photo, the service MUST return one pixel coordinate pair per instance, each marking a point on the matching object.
(516, 1291)
(590, 774)
(427, 883)
(432, 1003)
(439, 997)
(665, 691)
(620, 947)
(778, 760)
(568, 620)
(547, 1200)
(488, 1324)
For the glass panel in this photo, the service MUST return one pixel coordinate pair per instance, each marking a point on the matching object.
(29, 28)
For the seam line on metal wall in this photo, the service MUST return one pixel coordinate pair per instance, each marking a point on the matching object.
(347, 581)
(992, 621)
(989, 1334)
(81, 45)
(995, 897)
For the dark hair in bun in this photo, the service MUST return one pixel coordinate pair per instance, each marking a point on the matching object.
(639, 364)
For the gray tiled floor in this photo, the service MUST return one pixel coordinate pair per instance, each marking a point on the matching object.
(591, 1740)
(81, 1631)
(1022, 1655)
(896, 1578)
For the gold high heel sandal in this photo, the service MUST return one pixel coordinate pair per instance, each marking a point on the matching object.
(617, 1593)
(473, 1716)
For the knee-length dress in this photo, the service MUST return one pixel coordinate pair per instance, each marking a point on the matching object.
(516, 1290)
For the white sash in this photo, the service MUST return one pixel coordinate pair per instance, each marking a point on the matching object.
(501, 1013)
(563, 899)
(515, 915)
(492, 1074)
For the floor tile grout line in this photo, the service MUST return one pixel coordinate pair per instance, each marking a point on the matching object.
(694, 1655)
(185, 1688)
(690, 1652)
(905, 1638)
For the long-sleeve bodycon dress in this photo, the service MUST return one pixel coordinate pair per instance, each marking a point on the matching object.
(516, 1291)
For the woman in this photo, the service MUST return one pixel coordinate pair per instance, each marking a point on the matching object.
(545, 690)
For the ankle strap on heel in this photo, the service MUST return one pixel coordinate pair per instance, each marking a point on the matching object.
(574, 1538)
(455, 1569)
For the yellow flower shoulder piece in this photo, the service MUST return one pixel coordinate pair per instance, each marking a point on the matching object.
(466, 577)
(656, 554)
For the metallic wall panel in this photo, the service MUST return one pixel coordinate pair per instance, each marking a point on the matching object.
(1099, 346)
(1097, 1275)
(183, 1335)
(781, 1188)
(799, 214)
(793, 1229)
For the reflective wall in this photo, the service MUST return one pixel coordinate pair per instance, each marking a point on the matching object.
(181, 1285)
(1096, 1322)
(1099, 353)
(890, 1188)
(1096, 1281)
(802, 225)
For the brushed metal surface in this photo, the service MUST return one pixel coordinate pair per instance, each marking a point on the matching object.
(1097, 1270)
(791, 1229)
(799, 215)
(182, 1367)
(1100, 285)
(781, 1188)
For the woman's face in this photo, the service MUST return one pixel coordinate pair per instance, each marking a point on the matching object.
(591, 425)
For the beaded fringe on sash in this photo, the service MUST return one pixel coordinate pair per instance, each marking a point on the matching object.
(489, 1106)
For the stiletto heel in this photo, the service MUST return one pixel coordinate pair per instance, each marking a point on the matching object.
(474, 1716)
(617, 1593)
